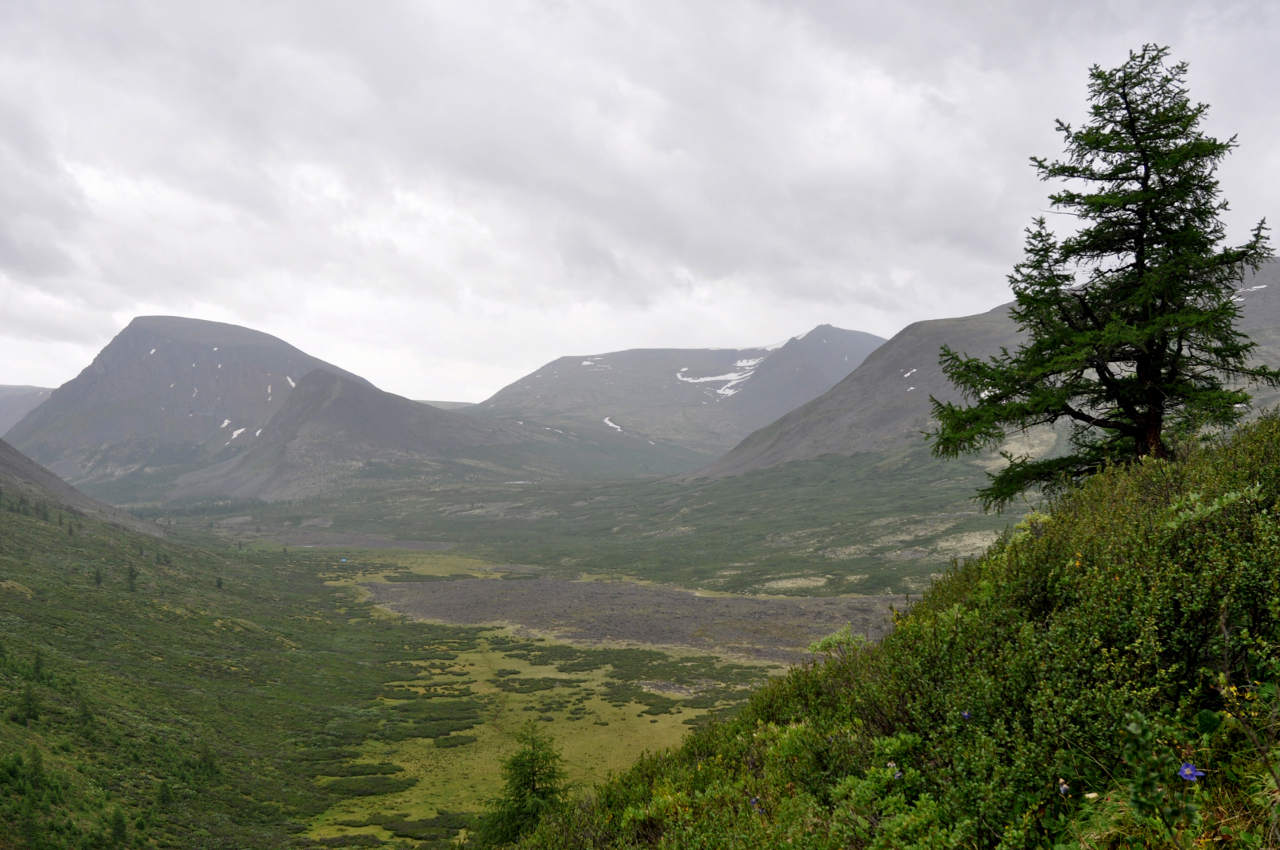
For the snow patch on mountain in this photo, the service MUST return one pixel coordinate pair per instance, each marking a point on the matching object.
(745, 367)
(612, 424)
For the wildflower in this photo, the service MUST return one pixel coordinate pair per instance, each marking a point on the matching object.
(966, 715)
(1091, 795)
(1190, 772)
(1063, 787)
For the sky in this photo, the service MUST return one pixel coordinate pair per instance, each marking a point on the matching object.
(443, 196)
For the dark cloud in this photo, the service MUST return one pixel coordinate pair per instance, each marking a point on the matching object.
(491, 185)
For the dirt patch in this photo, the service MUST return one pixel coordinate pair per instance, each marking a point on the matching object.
(612, 612)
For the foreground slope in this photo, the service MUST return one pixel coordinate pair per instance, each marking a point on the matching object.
(884, 403)
(703, 400)
(154, 694)
(1104, 676)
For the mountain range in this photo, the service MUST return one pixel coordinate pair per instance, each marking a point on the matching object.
(883, 405)
(188, 409)
(177, 408)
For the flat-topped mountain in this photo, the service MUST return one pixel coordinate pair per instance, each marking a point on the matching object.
(17, 402)
(166, 392)
(883, 405)
(702, 400)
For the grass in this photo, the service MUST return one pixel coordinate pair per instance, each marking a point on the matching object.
(1063, 690)
(866, 524)
(199, 696)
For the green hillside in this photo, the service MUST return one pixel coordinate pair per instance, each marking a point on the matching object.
(1105, 676)
(155, 694)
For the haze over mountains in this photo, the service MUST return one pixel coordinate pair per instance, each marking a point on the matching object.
(17, 402)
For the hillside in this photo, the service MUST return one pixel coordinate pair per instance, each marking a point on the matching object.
(160, 695)
(156, 694)
(17, 402)
(166, 393)
(701, 400)
(23, 478)
(1105, 676)
(884, 403)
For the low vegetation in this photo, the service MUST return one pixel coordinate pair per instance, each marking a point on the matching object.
(865, 524)
(166, 695)
(1105, 676)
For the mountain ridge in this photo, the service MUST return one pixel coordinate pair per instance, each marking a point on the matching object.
(884, 403)
(703, 400)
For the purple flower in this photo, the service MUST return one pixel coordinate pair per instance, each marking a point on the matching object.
(1190, 772)
(966, 715)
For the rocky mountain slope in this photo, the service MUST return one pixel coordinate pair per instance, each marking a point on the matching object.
(176, 407)
(334, 424)
(883, 405)
(702, 400)
(17, 402)
(166, 392)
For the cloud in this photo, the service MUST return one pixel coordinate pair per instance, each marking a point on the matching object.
(481, 187)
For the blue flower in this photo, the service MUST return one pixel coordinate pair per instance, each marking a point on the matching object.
(1190, 772)
(966, 715)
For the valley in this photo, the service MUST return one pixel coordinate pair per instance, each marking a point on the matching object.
(265, 676)
(320, 616)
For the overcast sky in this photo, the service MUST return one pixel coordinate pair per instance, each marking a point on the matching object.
(442, 196)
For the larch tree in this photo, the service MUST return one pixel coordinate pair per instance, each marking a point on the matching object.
(1129, 322)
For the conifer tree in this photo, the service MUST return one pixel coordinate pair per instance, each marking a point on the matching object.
(533, 784)
(1128, 322)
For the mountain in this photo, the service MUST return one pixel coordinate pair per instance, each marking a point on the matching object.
(700, 400)
(333, 424)
(883, 405)
(17, 402)
(21, 475)
(166, 394)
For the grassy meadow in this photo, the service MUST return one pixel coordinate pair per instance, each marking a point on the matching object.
(170, 695)
(866, 524)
